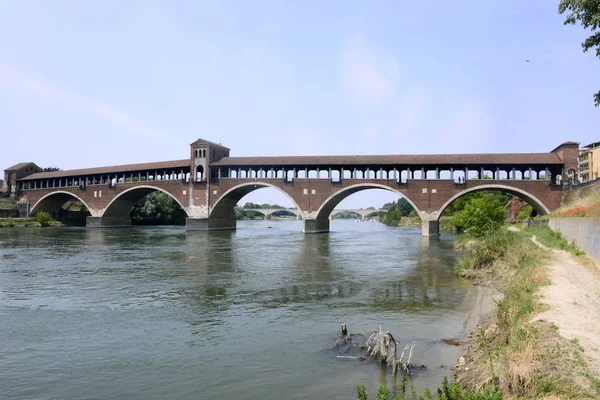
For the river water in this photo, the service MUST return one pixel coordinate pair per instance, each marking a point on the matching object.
(152, 313)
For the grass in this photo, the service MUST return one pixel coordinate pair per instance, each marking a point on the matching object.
(532, 359)
(445, 223)
(553, 239)
(25, 223)
(8, 204)
(586, 206)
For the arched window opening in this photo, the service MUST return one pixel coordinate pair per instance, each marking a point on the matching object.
(199, 173)
(571, 175)
(335, 176)
(458, 177)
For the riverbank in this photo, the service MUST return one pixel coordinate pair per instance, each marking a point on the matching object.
(26, 223)
(530, 344)
(445, 223)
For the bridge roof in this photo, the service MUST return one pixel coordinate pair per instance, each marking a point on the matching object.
(400, 159)
(18, 166)
(151, 166)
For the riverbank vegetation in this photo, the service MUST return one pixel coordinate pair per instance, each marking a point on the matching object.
(157, 208)
(396, 211)
(588, 205)
(512, 354)
(33, 222)
(527, 359)
(247, 211)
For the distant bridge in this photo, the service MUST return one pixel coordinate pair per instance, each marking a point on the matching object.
(208, 184)
(266, 212)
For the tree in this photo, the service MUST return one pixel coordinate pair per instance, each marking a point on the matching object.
(392, 217)
(50, 169)
(158, 209)
(480, 215)
(588, 13)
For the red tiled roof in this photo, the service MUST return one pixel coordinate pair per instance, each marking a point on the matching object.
(19, 166)
(401, 159)
(151, 166)
(204, 141)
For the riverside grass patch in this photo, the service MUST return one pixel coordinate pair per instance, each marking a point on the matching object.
(587, 206)
(553, 239)
(530, 359)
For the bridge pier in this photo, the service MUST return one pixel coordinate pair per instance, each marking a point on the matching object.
(430, 225)
(209, 224)
(316, 226)
(108, 222)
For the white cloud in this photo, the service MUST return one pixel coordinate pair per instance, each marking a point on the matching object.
(18, 82)
(367, 72)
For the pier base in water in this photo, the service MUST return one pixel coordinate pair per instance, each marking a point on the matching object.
(316, 226)
(108, 222)
(209, 224)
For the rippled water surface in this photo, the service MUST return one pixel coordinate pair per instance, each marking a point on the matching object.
(146, 313)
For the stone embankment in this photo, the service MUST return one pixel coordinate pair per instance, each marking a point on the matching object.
(584, 232)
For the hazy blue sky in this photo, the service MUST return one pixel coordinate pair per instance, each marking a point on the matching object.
(92, 83)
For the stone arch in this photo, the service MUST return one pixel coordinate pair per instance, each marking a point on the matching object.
(332, 201)
(536, 203)
(374, 212)
(275, 211)
(223, 208)
(334, 213)
(122, 204)
(52, 202)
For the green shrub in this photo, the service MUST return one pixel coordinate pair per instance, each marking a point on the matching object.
(524, 213)
(480, 216)
(446, 392)
(43, 218)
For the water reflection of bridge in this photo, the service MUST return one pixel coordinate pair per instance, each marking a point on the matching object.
(360, 213)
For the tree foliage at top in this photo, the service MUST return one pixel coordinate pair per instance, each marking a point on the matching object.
(460, 203)
(588, 13)
(263, 206)
(50, 169)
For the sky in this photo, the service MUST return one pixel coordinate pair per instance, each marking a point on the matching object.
(95, 83)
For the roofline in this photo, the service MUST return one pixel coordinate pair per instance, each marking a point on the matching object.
(590, 146)
(211, 144)
(564, 144)
(378, 160)
(98, 170)
(10, 169)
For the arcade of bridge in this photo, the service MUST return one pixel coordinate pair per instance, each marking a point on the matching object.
(362, 213)
(316, 185)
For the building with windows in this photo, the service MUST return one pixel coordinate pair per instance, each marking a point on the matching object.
(589, 162)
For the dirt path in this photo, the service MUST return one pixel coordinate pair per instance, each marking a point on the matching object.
(573, 297)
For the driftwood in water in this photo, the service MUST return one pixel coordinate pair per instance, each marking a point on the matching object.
(350, 358)
(383, 346)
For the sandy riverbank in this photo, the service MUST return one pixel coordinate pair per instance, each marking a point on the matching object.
(573, 300)
(560, 352)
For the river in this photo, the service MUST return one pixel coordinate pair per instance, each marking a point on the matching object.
(153, 313)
